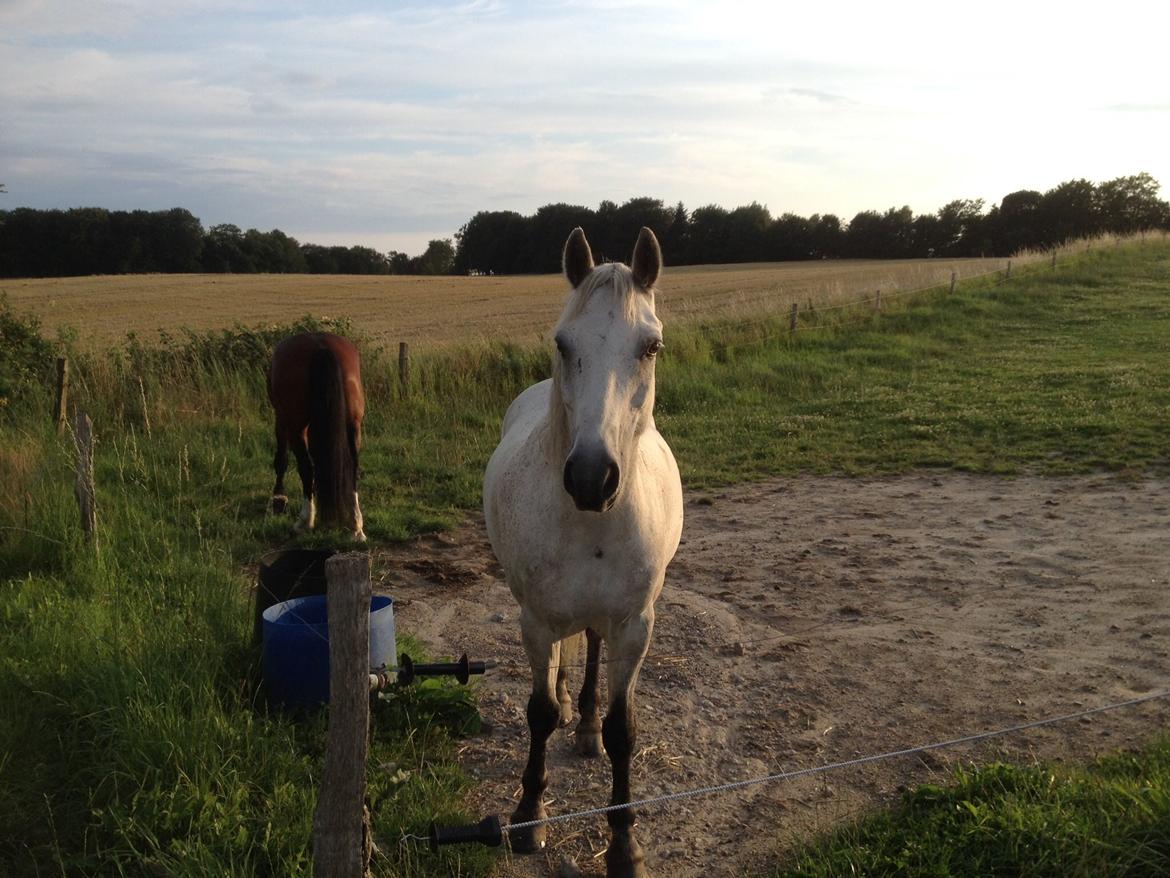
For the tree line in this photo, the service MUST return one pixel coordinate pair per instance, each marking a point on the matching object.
(81, 241)
(92, 240)
(505, 242)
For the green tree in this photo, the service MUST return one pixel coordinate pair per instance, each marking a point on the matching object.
(1069, 211)
(709, 235)
(959, 225)
(1130, 204)
(492, 241)
(747, 233)
(439, 257)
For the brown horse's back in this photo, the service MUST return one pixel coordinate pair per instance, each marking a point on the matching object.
(288, 377)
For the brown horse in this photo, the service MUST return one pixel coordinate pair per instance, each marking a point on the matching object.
(315, 386)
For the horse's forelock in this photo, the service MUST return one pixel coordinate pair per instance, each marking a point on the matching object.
(614, 276)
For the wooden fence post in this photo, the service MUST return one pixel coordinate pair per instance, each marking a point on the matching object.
(1054, 259)
(953, 276)
(341, 834)
(792, 318)
(145, 409)
(403, 366)
(1008, 273)
(83, 485)
(877, 301)
(62, 393)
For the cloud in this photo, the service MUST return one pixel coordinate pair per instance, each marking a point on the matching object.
(399, 117)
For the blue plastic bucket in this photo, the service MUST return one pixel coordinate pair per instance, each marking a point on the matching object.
(296, 648)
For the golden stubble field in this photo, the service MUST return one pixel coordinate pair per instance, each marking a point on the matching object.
(442, 311)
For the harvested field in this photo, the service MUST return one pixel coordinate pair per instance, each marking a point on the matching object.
(442, 311)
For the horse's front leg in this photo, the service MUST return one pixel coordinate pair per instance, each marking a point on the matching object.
(627, 649)
(588, 739)
(543, 715)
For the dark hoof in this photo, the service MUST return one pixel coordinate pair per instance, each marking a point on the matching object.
(279, 504)
(624, 859)
(528, 841)
(587, 742)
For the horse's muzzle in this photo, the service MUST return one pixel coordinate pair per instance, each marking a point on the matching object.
(592, 481)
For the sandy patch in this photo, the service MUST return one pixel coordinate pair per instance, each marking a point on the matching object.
(813, 620)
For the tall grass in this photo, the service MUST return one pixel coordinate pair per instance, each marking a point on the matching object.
(132, 738)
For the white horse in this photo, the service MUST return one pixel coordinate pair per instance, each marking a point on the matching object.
(584, 510)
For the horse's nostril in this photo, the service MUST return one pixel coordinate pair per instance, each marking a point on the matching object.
(612, 478)
(569, 477)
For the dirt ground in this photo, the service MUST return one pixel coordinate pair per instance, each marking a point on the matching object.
(812, 620)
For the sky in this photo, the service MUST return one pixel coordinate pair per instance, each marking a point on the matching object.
(388, 124)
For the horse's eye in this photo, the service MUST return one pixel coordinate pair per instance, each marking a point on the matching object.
(653, 348)
(560, 346)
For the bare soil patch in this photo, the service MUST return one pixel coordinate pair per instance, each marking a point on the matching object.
(813, 620)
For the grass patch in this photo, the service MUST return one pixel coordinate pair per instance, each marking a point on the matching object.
(1056, 372)
(1106, 818)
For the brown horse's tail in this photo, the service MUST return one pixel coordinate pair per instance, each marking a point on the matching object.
(329, 447)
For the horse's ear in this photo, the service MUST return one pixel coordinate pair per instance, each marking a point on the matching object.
(578, 258)
(647, 262)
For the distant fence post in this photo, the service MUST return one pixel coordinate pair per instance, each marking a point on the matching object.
(1008, 273)
(953, 277)
(1054, 259)
(877, 301)
(403, 366)
(792, 318)
(145, 408)
(62, 394)
(341, 833)
(83, 485)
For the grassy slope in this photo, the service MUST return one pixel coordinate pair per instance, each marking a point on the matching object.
(1107, 818)
(1061, 372)
(127, 729)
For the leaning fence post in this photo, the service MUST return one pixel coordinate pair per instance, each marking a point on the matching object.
(403, 366)
(792, 318)
(341, 836)
(953, 282)
(83, 485)
(62, 394)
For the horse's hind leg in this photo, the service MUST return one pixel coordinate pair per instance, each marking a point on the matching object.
(627, 649)
(588, 738)
(308, 515)
(543, 713)
(354, 435)
(280, 465)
